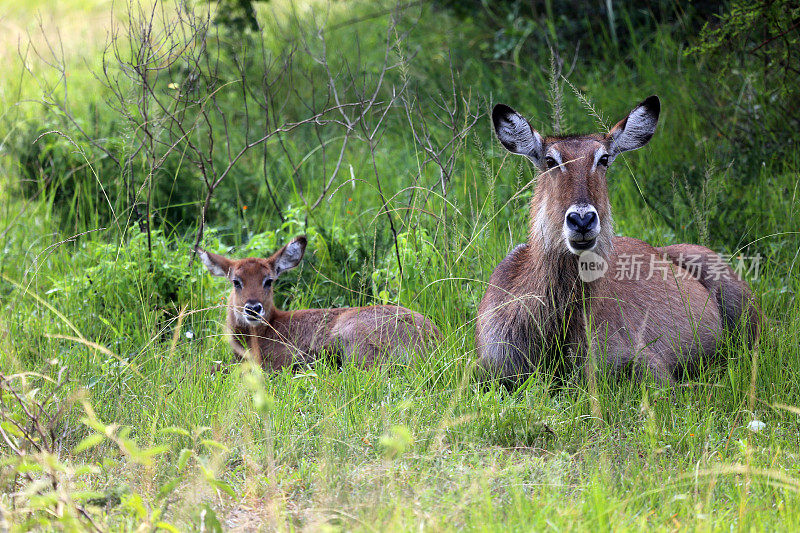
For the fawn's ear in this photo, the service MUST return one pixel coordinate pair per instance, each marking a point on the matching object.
(635, 130)
(216, 264)
(516, 134)
(290, 255)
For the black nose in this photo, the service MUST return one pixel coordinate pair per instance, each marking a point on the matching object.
(253, 309)
(581, 223)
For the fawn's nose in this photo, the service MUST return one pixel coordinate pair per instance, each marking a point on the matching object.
(253, 309)
(582, 223)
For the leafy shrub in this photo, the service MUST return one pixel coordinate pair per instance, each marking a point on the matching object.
(79, 185)
(131, 285)
(419, 258)
(751, 50)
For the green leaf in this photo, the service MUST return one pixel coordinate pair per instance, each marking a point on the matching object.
(183, 458)
(396, 441)
(27, 467)
(214, 444)
(223, 486)
(173, 430)
(8, 427)
(166, 489)
(89, 442)
(209, 520)
(86, 495)
(200, 430)
(135, 504)
(94, 424)
(84, 470)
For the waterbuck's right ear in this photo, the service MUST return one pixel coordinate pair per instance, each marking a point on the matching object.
(516, 134)
(290, 255)
(216, 264)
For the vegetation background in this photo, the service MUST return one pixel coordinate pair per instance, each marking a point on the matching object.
(128, 132)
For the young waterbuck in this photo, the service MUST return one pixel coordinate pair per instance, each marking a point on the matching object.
(275, 338)
(575, 287)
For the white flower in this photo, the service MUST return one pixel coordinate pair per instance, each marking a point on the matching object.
(756, 425)
(189, 335)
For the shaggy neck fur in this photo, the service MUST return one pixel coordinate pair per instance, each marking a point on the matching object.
(551, 274)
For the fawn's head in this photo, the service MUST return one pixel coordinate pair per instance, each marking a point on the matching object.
(252, 279)
(570, 204)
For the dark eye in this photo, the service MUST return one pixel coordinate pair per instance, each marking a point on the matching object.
(603, 160)
(237, 283)
(550, 162)
(267, 283)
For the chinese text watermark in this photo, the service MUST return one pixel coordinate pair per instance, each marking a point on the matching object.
(644, 266)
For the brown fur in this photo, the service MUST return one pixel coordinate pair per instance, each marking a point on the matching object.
(362, 335)
(536, 309)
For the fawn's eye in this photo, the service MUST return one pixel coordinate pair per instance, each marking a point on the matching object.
(603, 160)
(267, 283)
(550, 162)
(237, 284)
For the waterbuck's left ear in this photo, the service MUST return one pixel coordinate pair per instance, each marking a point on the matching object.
(290, 255)
(635, 130)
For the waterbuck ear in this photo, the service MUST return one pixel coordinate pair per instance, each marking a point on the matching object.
(635, 130)
(290, 255)
(216, 264)
(516, 134)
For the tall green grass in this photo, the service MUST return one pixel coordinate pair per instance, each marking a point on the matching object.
(139, 338)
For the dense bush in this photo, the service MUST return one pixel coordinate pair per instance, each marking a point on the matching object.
(752, 52)
(237, 15)
(592, 30)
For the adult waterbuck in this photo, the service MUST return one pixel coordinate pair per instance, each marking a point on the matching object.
(575, 284)
(275, 338)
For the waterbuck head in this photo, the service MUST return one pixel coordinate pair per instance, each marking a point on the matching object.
(251, 298)
(570, 210)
